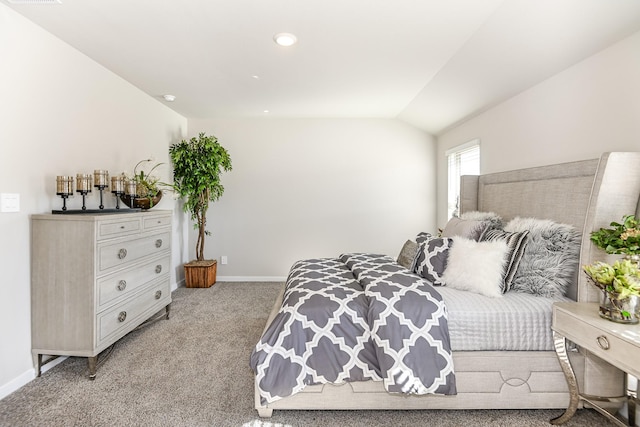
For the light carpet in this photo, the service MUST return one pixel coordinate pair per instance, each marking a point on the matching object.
(193, 370)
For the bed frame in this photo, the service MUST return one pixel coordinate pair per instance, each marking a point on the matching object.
(588, 194)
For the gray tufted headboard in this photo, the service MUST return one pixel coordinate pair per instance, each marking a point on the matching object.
(587, 194)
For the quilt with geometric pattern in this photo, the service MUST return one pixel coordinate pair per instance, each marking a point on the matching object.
(359, 317)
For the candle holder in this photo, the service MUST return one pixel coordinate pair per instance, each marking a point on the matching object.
(117, 188)
(131, 190)
(83, 186)
(100, 181)
(64, 188)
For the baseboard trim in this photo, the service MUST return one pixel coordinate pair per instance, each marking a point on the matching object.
(251, 278)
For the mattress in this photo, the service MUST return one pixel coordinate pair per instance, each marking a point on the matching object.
(516, 321)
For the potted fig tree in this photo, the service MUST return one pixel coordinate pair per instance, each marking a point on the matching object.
(197, 166)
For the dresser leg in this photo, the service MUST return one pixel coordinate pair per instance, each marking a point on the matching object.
(93, 366)
(560, 344)
(168, 310)
(39, 364)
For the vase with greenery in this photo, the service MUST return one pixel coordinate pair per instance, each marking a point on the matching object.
(197, 166)
(620, 284)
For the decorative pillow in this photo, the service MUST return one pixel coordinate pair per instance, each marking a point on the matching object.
(431, 260)
(516, 243)
(550, 260)
(466, 228)
(491, 219)
(471, 224)
(476, 266)
(407, 256)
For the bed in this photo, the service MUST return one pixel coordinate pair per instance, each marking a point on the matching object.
(488, 373)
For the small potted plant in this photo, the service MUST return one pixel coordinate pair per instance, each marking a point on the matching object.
(620, 284)
(197, 166)
(142, 188)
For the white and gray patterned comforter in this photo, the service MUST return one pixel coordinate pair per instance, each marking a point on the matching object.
(356, 318)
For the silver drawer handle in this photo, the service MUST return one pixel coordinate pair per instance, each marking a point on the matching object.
(158, 268)
(122, 316)
(122, 253)
(603, 342)
(158, 243)
(122, 285)
(158, 294)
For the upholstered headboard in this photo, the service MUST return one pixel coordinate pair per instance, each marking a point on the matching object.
(587, 194)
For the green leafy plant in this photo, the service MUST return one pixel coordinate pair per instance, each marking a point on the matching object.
(621, 280)
(147, 185)
(197, 166)
(622, 238)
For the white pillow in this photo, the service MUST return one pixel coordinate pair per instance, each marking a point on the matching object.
(476, 266)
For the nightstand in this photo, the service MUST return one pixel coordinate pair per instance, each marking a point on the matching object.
(615, 343)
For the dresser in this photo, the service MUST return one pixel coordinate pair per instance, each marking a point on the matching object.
(95, 278)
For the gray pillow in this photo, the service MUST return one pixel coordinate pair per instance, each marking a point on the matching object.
(431, 260)
(471, 224)
(516, 243)
(551, 257)
(407, 256)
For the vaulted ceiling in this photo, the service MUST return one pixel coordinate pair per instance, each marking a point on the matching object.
(431, 63)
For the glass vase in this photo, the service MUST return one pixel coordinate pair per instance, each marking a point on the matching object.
(620, 310)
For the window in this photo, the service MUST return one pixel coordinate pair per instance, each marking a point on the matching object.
(462, 160)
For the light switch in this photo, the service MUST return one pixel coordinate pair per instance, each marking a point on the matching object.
(9, 202)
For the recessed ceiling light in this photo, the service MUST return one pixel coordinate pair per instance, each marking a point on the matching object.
(266, 111)
(285, 39)
(169, 98)
(255, 77)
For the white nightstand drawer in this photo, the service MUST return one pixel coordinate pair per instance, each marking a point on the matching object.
(125, 252)
(119, 285)
(119, 317)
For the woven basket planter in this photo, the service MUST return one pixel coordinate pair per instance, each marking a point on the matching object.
(200, 274)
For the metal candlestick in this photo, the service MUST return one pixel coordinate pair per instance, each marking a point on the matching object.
(100, 181)
(131, 190)
(83, 186)
(117, 188)
(64, 188)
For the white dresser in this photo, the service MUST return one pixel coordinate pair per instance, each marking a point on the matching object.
(95, 278)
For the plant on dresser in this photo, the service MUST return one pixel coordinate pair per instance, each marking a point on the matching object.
(197, 166)
(95, 278)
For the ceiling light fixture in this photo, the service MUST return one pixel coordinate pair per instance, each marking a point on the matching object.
(285, 39)
(169, 98)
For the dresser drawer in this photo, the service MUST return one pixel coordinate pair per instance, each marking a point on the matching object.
(604, 345)
(117, 228)
(155, 222)
(118, 318)
(119, 285)
(125, 252)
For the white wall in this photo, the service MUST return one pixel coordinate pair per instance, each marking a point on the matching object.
(316, 188)
(61, 114)
(590, 108)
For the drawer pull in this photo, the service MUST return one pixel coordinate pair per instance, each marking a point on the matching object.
(122, 285)
(158, 294)
(158, 243)
(158, 269)
(122, 227)
(122, 253)
(603, 342)
(122, 316)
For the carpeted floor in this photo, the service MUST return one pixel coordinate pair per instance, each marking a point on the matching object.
(193, 370)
